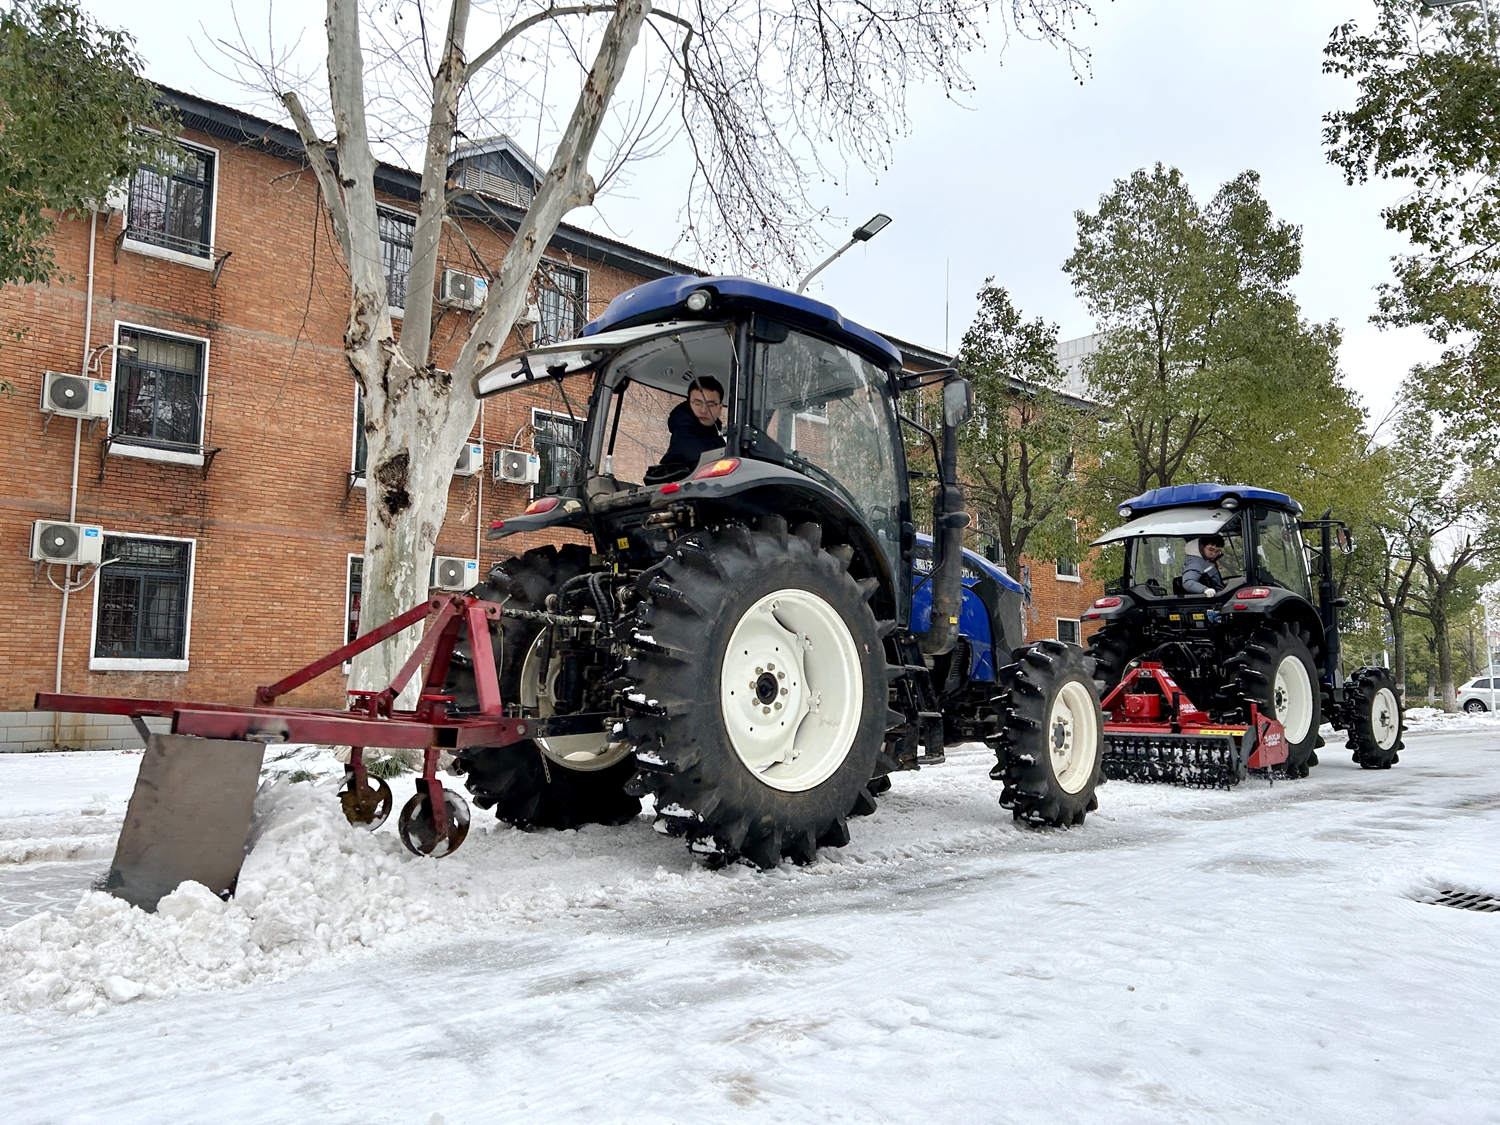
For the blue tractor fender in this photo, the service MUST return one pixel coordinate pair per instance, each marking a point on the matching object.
(990, 598)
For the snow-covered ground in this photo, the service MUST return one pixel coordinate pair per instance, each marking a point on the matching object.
(1249, 955)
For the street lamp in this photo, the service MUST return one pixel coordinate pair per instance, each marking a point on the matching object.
(862, 234)
(1484, 6)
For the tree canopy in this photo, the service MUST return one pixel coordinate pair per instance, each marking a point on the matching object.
(75, 117)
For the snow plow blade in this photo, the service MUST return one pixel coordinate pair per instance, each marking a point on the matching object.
(188, 817)
(1197, 761)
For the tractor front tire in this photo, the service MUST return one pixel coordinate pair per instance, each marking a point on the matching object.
(1111, 650)
(759, 693)
(1050, 749)
(1373, 718)
(515, 781)
(1276, 672)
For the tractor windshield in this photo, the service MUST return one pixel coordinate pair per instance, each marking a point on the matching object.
(1280, 558)
(826, 407)
(1156, 561)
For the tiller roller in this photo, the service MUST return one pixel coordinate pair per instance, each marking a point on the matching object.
(1154, 733)
(189, 815)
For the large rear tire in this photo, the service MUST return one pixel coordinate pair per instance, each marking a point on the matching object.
(523, 783)
(1373, 718)
(1050, 749)
(760, 693)
(1111, 650)
(1276, 672)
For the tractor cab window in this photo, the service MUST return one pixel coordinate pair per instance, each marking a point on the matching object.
(641, 389)
(826, 408)
(1156, 561)
(1280, 557)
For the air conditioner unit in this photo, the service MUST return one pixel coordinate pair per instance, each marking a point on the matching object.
(117, 198)
(76, 396)
(455, 575)
(517, 466)
(72, 544)
(462, 290)
(470, 460)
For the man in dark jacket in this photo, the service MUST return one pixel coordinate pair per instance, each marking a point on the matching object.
(695, 425)
(1200, 573)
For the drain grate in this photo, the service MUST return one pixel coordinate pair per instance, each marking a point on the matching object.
(1463, 900)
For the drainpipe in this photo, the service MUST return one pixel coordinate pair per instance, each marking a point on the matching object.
(62, 621)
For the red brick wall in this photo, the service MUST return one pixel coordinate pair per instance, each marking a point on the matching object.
(273, 518)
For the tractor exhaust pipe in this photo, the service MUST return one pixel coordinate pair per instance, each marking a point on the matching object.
(948, 522)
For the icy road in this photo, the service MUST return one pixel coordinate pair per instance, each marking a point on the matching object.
(1256, 955)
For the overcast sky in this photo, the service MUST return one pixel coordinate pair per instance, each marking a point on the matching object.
(990, 187)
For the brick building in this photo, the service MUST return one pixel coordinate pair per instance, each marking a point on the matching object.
(224, 476)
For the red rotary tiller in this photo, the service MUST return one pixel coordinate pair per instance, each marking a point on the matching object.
(1156, 733)
(190, 812)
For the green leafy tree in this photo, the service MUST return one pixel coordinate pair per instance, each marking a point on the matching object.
(75, 117)
(1019, 453)
(1426, 115)
(1208, 370)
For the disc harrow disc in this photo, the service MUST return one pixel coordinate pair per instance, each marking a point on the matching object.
(366, 806)
(420, 834)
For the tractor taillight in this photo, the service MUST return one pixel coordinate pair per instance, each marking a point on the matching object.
(668, 489)
(541, 504)
(1109, 602)
(497, 525)
(720, 468)
(1252, 594)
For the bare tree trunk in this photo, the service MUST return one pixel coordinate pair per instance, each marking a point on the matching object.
(1398, 658)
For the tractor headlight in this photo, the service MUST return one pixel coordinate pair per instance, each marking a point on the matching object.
(1126, 513)
(1230, 502)
(697, 300)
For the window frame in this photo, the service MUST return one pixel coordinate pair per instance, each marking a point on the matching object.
(356, 473)
(166, 253)
(540, 487)
(1077, 630)
(1057, 564)
(398, 312)
(581, 314)
(148, 663)
(349, 560)
(124, 445)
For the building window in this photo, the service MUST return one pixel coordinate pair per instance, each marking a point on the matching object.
(557, 438)
(397, 231)
(172, 207)
(1067, 569)
(361, 443)
(141, 608)
(351, 597)
(562, 303)
(1067, 631)
(159, 389)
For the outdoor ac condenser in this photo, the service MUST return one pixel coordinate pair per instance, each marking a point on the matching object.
(517, 466)
(75, 396)
(454, 575)
(470, 460)
(460, 290)
(70, 544)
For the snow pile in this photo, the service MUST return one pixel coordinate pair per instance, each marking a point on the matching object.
(312, 886)
(1433, 719)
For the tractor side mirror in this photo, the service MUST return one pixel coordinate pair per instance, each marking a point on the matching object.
(1344, 540)
(958, 402)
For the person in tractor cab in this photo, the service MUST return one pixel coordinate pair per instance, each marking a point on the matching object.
(1200, 573)
(695, 426)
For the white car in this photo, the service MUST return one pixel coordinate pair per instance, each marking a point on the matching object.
(1477, 696)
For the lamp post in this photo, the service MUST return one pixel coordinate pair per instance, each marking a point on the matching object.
(862, 234)
(1484, 6)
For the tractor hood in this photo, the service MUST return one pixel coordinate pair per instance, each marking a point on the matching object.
(1181, 523)
(571, 357)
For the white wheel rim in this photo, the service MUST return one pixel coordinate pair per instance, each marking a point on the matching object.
(1073, 736)
(1385, 718)
(1293, 699)
(791, 690)
(582, 752)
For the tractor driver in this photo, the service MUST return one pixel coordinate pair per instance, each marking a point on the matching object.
(1200, 573)
(695, 425)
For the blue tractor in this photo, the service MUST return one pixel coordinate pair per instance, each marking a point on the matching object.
(1260, 645)
(756, 635)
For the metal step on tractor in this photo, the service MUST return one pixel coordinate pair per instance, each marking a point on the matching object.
(1201, 685)
(747, 626)
(759, 629)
